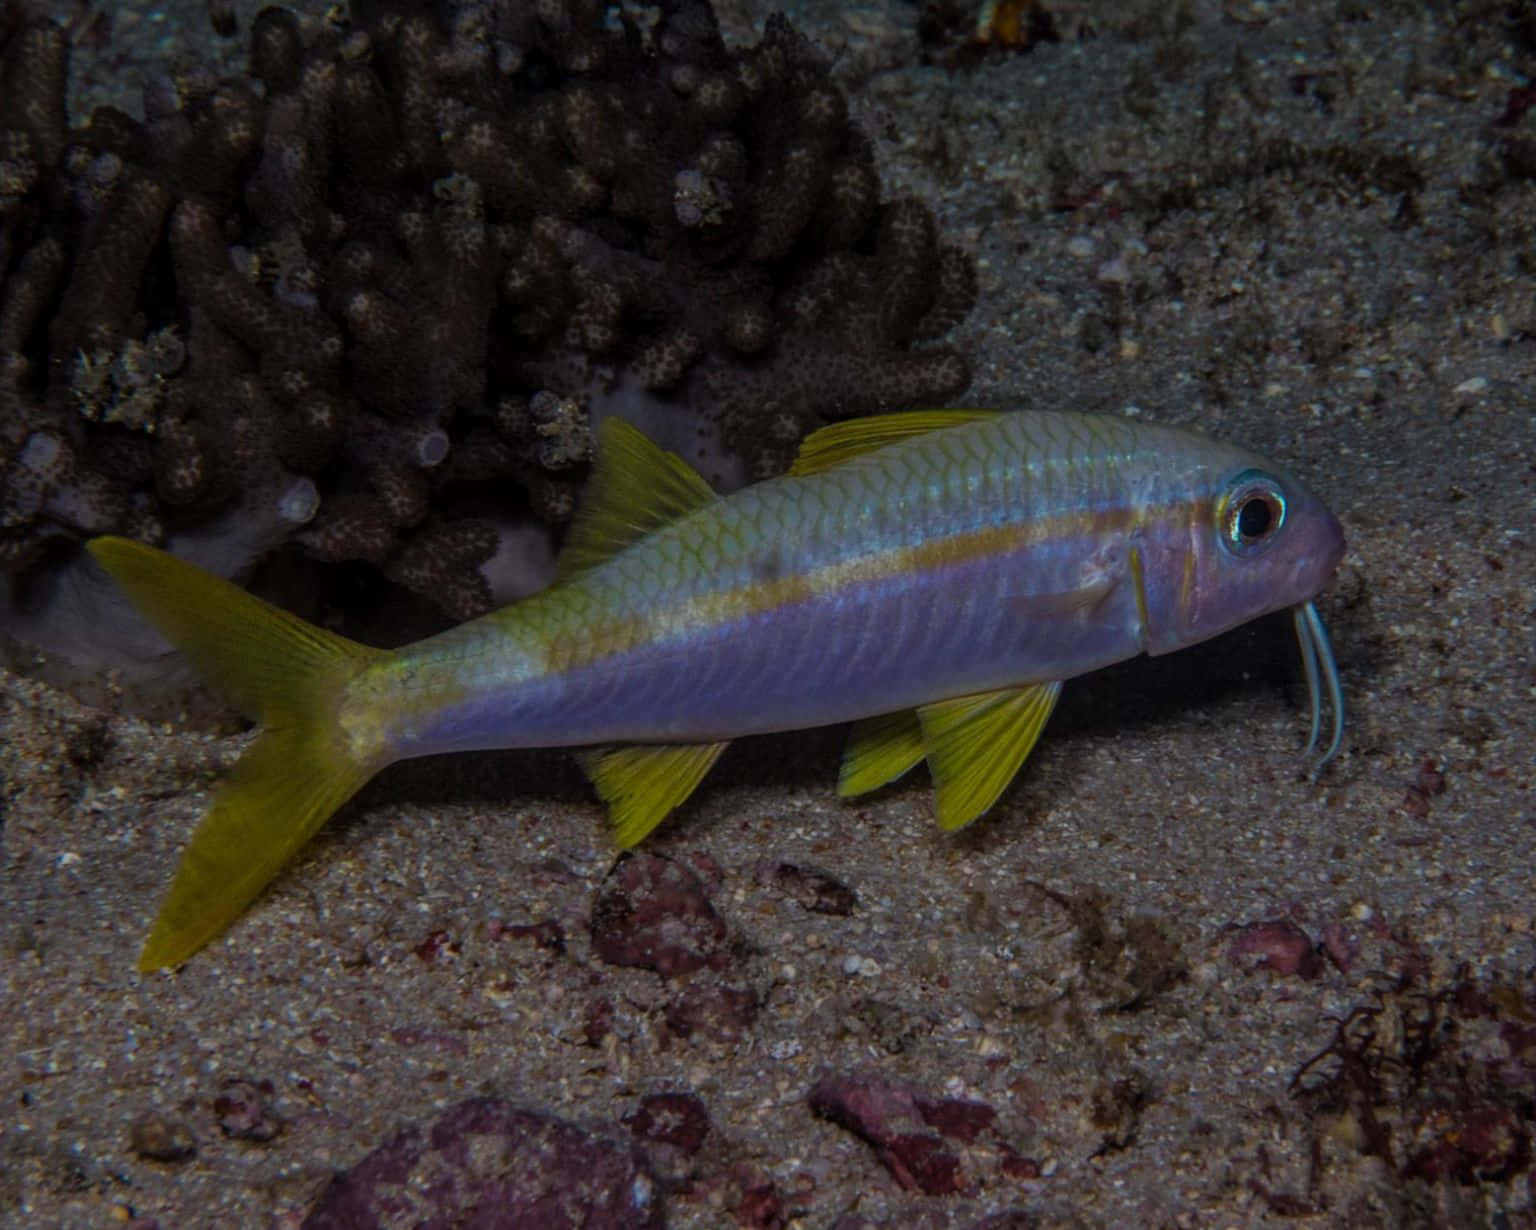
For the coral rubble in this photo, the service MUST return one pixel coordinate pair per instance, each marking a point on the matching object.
(367, 300)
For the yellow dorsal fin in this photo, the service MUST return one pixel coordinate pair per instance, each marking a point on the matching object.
(636, 488)
(975, 745)
(643, 782)
(880, 749)
(831, 446)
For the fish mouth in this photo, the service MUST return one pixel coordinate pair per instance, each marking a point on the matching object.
(1316, 564)
(1333, 555)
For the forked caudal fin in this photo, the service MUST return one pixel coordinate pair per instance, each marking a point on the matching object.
(280, 670)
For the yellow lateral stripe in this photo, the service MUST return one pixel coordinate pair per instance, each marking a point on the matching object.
(605, 638)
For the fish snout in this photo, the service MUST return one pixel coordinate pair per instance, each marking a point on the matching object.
(1320, 553)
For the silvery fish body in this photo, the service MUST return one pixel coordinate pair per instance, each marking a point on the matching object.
(933, 577)
(1007, 550)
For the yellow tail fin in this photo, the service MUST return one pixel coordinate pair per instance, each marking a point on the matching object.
(284, 672)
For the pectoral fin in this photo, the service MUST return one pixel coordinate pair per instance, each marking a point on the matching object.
(976, 744)
(880, 749)
(643, 782)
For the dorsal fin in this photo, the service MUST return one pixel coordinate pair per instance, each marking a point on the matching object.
(636, 487)
(831, 446)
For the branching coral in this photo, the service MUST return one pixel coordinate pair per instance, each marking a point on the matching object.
(399, 264)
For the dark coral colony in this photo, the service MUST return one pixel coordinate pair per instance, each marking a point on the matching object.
(366, 301)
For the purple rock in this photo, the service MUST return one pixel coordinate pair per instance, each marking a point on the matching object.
(243, 1110)
(654, 914)
(816, 890)
(486, 1165)
(891, 1118)
(760, 1207)
(719, 1013)
(958, 1118)
(1279, 945)
(669, 1130)
(676, 1119)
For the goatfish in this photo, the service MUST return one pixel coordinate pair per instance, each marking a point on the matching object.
(931, 577)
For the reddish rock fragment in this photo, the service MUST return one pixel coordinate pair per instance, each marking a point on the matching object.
(1485, 1143)
(890, 1118)
(1430, 779)
(760, 1207)
(866, 1105)
(1340, 946)
(669, 1130)
(719, 1013)
(814, 889)
(1428, 782)
(922, 1162)
(487, 1165)
(957, 1118)
(675, 1119)
(654, 914)
(1279, 945)
(598, 1023)
(438, 948)
(244, 1113)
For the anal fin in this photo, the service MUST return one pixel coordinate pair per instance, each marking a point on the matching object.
(976, 744)
(880, 749)
(642, 783)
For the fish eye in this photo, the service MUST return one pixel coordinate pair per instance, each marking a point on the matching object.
(1251, 512)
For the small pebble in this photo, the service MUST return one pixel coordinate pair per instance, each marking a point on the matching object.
(161, 1138)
